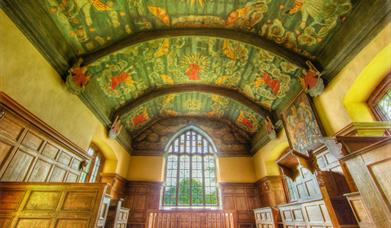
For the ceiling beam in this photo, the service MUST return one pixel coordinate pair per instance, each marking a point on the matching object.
(244, 37)
(180, 88)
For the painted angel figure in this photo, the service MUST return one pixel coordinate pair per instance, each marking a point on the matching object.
(323, 12)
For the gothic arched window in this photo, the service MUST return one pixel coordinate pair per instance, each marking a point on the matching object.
(190, 177)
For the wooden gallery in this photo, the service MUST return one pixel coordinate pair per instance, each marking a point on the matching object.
(195, 113)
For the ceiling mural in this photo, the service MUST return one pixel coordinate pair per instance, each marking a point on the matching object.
(260, 75)
(197, 104)
(302, 26)
(242, 61)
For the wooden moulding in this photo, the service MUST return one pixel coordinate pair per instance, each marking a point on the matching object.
(355, 145)
(360, 212)
(271, 191)
(291, 161)
(116, 184)
(378, 128)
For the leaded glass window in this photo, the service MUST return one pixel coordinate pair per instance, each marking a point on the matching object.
(384, 105)
(380, 100)
(190, 177)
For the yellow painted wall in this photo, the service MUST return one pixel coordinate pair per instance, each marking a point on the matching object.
(264, 159)
(356, 97)
(330, 104)
(236, 169)
(29, 79)
(116, 157)
(229, 169)
(146, 168)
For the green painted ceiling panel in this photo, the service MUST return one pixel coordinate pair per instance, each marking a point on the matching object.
(300, 25)
(199, 104)
(127, 74)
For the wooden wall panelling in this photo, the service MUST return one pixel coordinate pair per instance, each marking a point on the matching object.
(330, 161)
(241, 198)
(116, 185)
(31, 151)
(267, 217)
(369, 159)
(361, 214)
(333, 185)
(332, 190)
(140, 197)
(305, 214)
(271, 191)
(49, 205)
(200, 218)
(304, 187)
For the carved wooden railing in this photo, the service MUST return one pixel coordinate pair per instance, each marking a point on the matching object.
(191, 218)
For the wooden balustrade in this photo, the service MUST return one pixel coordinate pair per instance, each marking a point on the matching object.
(191, 219)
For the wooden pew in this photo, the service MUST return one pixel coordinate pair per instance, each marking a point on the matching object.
(51, 205)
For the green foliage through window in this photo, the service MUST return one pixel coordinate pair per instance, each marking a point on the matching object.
(190, 172)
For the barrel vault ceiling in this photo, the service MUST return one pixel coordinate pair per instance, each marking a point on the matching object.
(241, 61)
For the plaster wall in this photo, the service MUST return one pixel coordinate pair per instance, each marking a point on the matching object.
(30, 80)
(264, 159)
(229, 169)
(236, 169)
(355, 82)
(146, 168)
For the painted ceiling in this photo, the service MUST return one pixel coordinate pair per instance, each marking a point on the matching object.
(196, 104)
(302, 26)
(254, 52)
(125, 75)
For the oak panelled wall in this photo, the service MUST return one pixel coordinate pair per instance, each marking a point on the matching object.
(369, 160)
(192, 218)
(141, 197)
(271, 191)
(241, 198)
(44, 205)
(31, 151)
(144, 197)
